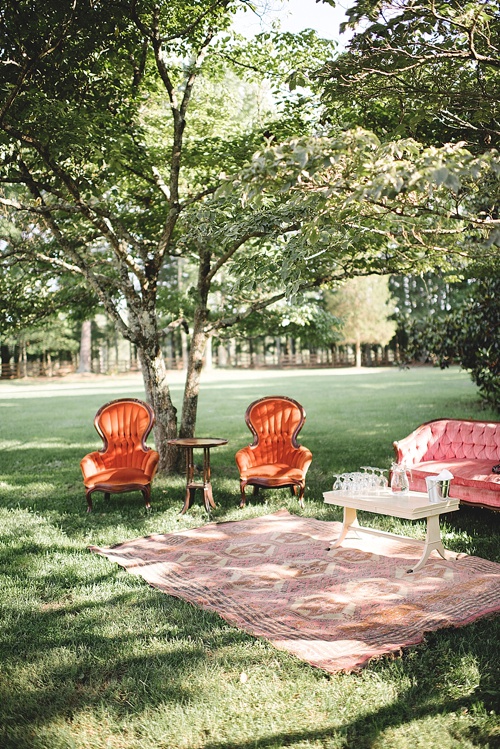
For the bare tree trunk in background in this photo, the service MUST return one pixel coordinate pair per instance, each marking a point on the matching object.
(357, 349)
(192, 385)
(85, 364)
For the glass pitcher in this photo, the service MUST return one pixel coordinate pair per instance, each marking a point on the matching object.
(399, 479)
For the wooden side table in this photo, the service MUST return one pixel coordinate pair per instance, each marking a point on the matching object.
(189, 444)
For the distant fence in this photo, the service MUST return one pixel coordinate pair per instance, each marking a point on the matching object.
(234, 359)
(17, 370)
(305, 359)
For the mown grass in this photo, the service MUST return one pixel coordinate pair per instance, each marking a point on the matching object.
(91, 657)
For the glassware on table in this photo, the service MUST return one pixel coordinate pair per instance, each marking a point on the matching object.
(338, 484)
(382, 481)
(350, 482)
(368, 480)
(399, 479)
(367, 477)
(371, 479)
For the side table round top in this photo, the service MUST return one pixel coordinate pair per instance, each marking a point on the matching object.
(197, 441)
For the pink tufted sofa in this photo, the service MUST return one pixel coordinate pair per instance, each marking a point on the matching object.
(469, 449)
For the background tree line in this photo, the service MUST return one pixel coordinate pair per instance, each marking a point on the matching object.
(372, 320)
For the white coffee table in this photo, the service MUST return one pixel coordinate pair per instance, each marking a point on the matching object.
(412, 506)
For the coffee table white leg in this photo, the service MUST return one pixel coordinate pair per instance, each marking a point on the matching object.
(350, 520)
(432, 541)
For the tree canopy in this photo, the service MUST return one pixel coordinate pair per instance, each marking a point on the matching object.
(428, 69)
(116, 122)
(431, 70)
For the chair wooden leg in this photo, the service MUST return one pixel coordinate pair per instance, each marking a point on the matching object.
(88, 496)
(243, 499)
(302, 489)
(146, 493)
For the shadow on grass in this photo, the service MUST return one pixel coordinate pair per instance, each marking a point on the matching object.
(76, 665)
(364, 733)
(63, 657)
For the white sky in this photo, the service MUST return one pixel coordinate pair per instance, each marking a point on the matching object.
(295, 16)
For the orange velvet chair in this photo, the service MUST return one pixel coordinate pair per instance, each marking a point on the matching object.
(275, 458)
(124, 464)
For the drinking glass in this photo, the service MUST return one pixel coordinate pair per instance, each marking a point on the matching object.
(338, 484)
(382, 481)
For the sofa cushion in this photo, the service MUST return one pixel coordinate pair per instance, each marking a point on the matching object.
(474, 473)
(472, 484)
(465, 472)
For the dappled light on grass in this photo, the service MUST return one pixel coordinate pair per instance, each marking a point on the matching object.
(33, 489)
(46, 444)
(336, 608)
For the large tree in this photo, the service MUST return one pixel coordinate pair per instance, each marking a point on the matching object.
(431, 69)
(99, 163)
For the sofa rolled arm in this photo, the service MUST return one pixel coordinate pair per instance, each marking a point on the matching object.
(411, 449)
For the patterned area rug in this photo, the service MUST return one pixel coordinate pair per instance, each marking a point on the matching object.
(277, 577)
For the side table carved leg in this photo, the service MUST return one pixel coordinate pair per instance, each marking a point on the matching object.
(188, 501)
(350, 520)
(207, 484)
(432, 541)
(208, 498)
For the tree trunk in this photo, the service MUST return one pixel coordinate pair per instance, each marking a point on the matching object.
(209, 363)
(222, 355)
(194, 366)
(5, 368)
(157, 390)
(23, 360)
(85, 365)
(358, 354)
(185, 349)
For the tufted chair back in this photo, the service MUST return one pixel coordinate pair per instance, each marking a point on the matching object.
(124, 426)
(275, 458)
(124, 463)
(275, 422)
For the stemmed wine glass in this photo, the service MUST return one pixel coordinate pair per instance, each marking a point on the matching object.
(382, 480)
(371, 479)
(338, 484)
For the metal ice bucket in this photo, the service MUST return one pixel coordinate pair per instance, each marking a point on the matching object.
(437, 489)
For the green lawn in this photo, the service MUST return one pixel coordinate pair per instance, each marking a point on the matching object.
(91, 657)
